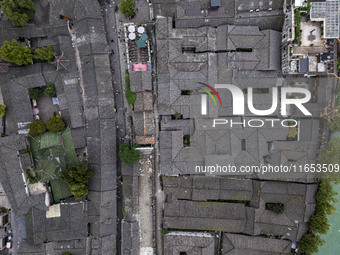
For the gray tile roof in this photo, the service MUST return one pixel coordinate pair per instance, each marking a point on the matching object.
(303, 65)
(11, 175)
(222, 146)
(242, 244)
(140, 81)
(185, 194)
(213, 216)
(208, 188)
(70, 225)
(130, 238)
(97, 109)
(144, 102)
(190, 242)
(219, 52)
(230, 12)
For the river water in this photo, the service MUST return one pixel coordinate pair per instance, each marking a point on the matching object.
(332, 238)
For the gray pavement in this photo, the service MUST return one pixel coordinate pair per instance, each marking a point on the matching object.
(113, 25)
(46, 108)
(145, 206)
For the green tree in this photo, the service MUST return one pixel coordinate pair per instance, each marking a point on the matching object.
(128, 155)
(77, 177)
(325, 196)
(318, 223)
(15, 53)
(37, 127)
(78, 174)
(329, 153)
(45, 53)
(127, 7)
(79, 190)
(19, 12)
(334, 125)
(309, 244)
(55, 124)
(50, 90)
(2, 110)
(35, 93)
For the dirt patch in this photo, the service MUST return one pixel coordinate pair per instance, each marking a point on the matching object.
(37, 188)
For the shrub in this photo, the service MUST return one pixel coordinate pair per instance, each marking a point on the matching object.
(55, 124)
(37, 127)
(15, 53)
(292, 132)
(2, 110)
(127, 81)
(165, 231)
(177, 115)
(186, 139)
(305, 8)
(24, 151)
(186, 92)
(309, 243)
(127, 7)
(31, 178)
(18, 12)
(130, 96)
(3, 209)
(128, 155)
(35, 93)
(298, 31)
(123, 211)
(275, 207)
(45, 54)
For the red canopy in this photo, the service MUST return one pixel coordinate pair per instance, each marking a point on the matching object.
(139, 67)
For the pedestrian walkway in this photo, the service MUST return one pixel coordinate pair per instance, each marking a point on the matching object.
(145, 206)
